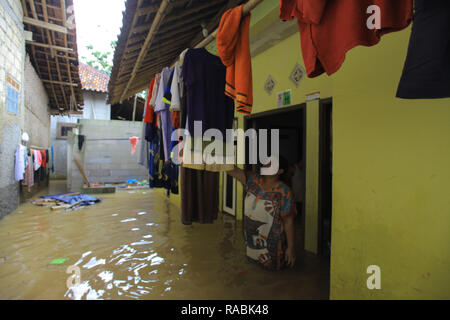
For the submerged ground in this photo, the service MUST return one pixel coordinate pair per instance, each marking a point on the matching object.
(133, 246)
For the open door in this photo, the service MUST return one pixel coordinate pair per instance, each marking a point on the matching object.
(325, 176)
(230, 185)
(229, 194)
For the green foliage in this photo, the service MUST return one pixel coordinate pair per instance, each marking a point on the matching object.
(100, 60)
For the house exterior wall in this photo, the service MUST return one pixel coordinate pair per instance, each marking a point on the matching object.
(12, 56)
(37, 112)
(95, 106)
(390, 170)
(391, 180)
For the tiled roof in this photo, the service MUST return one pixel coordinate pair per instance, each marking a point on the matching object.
(92, 79)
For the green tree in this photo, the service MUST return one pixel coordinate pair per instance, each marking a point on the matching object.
(101, 61)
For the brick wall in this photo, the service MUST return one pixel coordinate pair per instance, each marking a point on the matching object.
(12, 55)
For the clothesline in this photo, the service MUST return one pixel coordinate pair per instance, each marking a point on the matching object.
(37, 148)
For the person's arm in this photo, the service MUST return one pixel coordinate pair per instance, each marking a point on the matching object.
(238, 174)
(290, 251)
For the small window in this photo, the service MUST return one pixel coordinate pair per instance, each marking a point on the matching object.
(12, 96)
(64, 129)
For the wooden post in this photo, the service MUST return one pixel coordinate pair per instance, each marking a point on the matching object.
(134, 108)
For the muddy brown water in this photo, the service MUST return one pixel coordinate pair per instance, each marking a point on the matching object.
(133, 246)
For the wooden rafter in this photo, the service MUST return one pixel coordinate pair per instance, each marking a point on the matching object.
(52, 51)
(148, 41)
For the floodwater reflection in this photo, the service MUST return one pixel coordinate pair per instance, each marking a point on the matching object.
(133, 246)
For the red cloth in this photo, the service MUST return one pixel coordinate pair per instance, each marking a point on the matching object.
(148, 109)
(134, 141)
(233, 46)
(330, 28)
(44, 159)
(176, 119)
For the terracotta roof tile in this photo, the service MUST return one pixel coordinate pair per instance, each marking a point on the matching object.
(92, 79)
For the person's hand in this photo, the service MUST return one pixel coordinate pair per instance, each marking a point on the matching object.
(290, 257)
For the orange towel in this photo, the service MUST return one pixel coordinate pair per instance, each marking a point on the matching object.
(233, 46)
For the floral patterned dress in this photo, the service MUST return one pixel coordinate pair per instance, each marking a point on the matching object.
(263, 221)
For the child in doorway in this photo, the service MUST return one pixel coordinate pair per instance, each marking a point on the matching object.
(268, 217)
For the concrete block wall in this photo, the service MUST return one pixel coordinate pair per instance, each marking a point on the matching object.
(106, 154)
(60, 145)
(12, 56)
(37, 112)
(75, 179)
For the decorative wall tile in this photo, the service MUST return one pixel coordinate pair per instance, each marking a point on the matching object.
(270, 85)
(297, 74)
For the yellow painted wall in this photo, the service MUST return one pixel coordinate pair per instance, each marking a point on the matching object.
(391, 180)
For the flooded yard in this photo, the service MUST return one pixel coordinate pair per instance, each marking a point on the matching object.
(132, 245)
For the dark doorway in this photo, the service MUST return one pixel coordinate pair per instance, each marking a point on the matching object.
(291, 123)
(325, 175)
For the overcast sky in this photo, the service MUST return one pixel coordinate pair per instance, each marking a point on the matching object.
(98, 23)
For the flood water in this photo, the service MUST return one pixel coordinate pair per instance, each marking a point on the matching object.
(132, 245)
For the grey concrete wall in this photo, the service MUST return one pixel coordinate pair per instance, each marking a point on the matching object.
(107, 152)
(37, 112)
(75, 179)
(60, 145)
(12, 56)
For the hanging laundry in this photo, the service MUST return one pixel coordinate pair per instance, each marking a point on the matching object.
(199, 196)
(19, 169)
(330, 28)
(178, 91)
(176, 88)
(176, 119)
(134, 141)
(204, 79)
(44, 158)
(37, 159)
(148, 109)
(155, 90)
(233, 46)
(29, 174)
(167, 93)
(426, 74)
(154, 165)
(52, 160)
(163, 109)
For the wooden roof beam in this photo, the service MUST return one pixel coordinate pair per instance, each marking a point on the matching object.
(45, 25)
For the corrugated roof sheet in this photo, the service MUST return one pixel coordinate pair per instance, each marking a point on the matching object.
(93, 79)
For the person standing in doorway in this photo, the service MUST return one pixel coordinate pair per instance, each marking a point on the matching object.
(268, 216)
